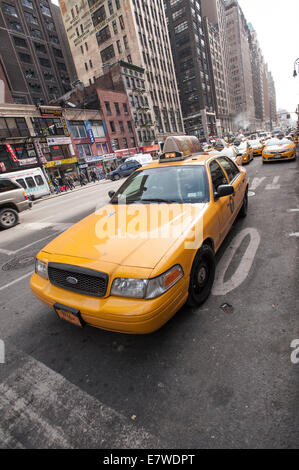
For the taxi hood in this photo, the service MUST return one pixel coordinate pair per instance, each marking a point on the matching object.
(130, 235)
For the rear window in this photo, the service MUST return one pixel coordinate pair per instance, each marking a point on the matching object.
(7, 185)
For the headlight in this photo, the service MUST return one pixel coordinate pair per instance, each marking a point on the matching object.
(41, 268)
(146, 288)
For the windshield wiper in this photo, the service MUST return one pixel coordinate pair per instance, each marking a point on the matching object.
(160, 200)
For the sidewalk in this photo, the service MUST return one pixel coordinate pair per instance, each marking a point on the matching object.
(77, 188)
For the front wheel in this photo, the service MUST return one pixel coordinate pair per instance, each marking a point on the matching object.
(116, 177)
(202, 276)
(8, 218)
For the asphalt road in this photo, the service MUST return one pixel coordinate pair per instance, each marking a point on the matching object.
(220, 376)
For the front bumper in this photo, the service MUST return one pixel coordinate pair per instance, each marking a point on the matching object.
(283, 157)
(24, 205)
(120, 314)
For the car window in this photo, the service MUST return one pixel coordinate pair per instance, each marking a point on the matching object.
(231, 169)
(217, 175)
(30, 182)
(7, 185)
(39, 180)
(175, 184)
(21, 182)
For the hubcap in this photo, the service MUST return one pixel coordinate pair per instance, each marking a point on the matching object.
(8, 218)
(202, 275)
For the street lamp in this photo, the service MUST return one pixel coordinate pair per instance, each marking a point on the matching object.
(295, 71)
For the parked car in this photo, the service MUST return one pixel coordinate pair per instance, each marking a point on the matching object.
(124, 170)
(33, 181)
(13, 200)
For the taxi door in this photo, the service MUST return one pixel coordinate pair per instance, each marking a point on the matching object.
(237, 180)
(223, 204)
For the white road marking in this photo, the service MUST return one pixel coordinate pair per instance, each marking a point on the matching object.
(256, 182)
(294, 234)
(15, 281)
(35, 226)
(293, 210)
(39, 408)
(274, 184)
(241, 273)
(251, 193)
(6, 252)
(34, 243)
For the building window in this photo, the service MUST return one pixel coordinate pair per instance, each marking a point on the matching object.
(114, 26)
(9, 9)
(107, 53)
(45, 10)
(110, 7)
(126, 42)
(115, 144)
(181, 27)
(13, 127)
(117, 108)
(112, 126)
(119, 46)
(47, 126)
(97, 128)
(25, 58)
(117, 3)
(130, 126)
(99, 15)
(121, 126)
(20, 42)
(108, 109)
(27, 3)
(121, 22)
(30, 18)
(125, 143)
(78, 129)
(84, 150)
(125, 109)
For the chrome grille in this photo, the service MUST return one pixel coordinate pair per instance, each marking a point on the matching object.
(89, 281)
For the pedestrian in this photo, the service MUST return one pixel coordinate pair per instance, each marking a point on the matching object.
(65, 183)
(56, 185)
(93, 175)
(82, 179)
(71, 182)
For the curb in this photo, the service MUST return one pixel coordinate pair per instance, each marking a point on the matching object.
(53, 196)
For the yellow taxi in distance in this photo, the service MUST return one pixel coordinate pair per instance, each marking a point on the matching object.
(232, 152)
(257, 146)
(278, 150)
(131, 265)
(246, 152)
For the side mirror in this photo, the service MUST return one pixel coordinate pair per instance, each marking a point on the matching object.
(111, 194)
(224, 190)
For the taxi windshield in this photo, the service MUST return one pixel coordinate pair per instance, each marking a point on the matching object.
(175, 184)
(254, 142)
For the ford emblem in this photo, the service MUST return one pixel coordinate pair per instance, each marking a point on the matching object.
(72, 280)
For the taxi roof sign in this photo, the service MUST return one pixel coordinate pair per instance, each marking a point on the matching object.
(180, 147)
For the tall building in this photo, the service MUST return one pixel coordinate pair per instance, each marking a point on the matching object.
(240, 85)
(104, 32)
(257, 65)
(215, 20)
(5, 91)
(190, 54)
(37, 62)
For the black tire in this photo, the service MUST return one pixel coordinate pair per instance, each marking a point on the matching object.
(244, 207)
(202, 276)
(8, 218)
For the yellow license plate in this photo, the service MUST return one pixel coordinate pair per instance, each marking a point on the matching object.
(69, 314)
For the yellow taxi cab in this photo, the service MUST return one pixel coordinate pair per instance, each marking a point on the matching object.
(232, 152)
(257, 146)
(278, 150)
(245, 151)
(131, 265)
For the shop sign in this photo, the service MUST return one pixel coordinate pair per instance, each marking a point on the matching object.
(65, 161)
(12, 153)
(59, 140)
(65, 127)
(48, 111)
(89, 131)
(28, 161)
(85, 165)
(152, 148)
(96, 158)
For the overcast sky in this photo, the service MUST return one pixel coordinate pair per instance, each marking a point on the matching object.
(277, 25)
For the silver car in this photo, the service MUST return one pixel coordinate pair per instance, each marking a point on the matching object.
(13, 200)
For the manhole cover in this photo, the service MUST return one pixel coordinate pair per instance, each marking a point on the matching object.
(19, 262)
